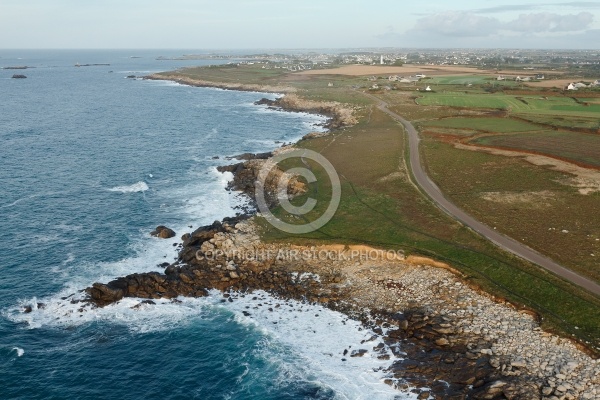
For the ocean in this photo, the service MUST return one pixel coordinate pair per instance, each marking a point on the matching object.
(90, 162)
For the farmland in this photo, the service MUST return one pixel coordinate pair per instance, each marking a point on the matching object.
(555, 105)
(468, 80)
(499, 125)
(580, 148)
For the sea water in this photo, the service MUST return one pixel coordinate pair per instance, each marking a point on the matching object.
(90, 162)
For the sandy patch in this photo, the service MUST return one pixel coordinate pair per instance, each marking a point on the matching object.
(391, 177)
(585, 179)
(417, 260)
(537, 199)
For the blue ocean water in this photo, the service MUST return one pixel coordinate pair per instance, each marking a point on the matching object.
(90, 163)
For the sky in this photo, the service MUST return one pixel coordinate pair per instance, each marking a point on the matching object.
(292, 24)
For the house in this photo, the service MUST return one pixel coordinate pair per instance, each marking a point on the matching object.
(420, 76)
(580, 85)
(571, 87)
(330, 84)
(428, 89)
(404, 80)
(540, 77)
(393, 78)
(375, 86)
(500, 78)
(596, 83)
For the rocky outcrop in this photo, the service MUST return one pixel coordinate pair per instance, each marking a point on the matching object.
(246, 174)
(163, 232)
(340, 115)
(18, 76)
(314, 135)
(443, 339)
(252, 156)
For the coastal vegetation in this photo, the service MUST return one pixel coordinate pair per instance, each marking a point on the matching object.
(382, 207)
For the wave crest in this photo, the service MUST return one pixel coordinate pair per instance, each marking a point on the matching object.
(140, 186)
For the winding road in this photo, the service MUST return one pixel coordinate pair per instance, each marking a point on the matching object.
(502, 241)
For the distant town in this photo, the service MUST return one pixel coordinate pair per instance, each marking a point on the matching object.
(582, 63)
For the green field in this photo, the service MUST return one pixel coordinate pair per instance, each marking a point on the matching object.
(231, 74)
(499, 125)
(564, 122)
(466, 80)
(556, 105)
(582, 148)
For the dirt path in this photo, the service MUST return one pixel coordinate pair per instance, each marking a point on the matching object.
(504, 242)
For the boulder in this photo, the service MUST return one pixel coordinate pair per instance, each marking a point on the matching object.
(103, 294)
(163, 232)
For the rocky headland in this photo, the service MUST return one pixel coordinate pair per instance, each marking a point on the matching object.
(444, 339)
(340, 115)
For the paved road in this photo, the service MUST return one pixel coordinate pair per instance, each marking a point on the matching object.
(450, 208)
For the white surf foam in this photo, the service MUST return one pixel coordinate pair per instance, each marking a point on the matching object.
(303, 342)
(140, 186)
(14, 203)
(313, 340)
(19, 351)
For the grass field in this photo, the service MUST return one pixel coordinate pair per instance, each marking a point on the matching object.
(499, 125)
(581, 148)
(381, 207)
(232, 74)
(507, 189)
(468, 79)
(564, 122)
(557, 105)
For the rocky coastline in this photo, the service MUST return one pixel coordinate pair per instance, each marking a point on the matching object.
(443, 339)
(339, 115)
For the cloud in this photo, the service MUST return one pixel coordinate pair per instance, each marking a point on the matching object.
(529, 7)
(583, 4)
(549, 22)
(506, 8)
(468, 24)
(457, 23)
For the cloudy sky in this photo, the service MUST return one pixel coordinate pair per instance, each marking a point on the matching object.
(252, 24)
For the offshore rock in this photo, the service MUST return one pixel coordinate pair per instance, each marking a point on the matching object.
(163, 232)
